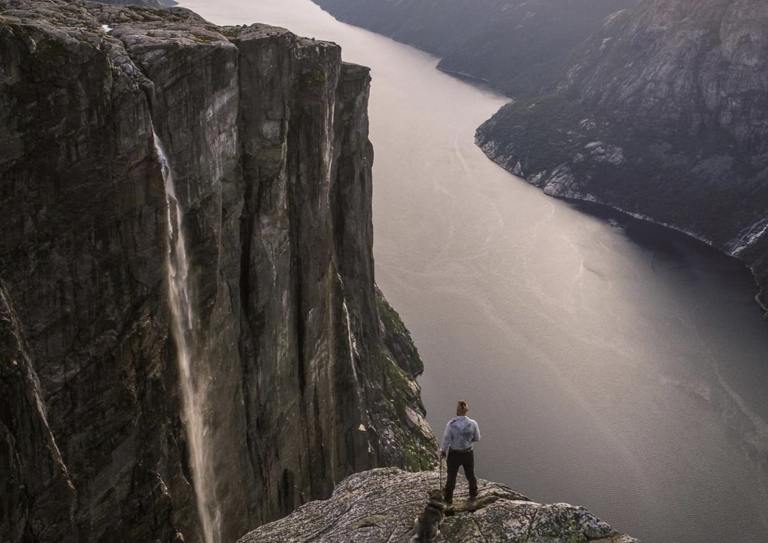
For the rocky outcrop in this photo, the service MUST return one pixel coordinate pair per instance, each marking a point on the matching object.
(516, 45)
(380, 506)
(662, 114)
(266, 134)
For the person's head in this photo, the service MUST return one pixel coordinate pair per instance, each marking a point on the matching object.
(462, 408)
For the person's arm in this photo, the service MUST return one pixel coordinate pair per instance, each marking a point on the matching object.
(476, 436)
(446, 439)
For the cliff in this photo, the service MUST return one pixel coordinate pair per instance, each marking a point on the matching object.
(266, 137)
(662, 113)
(380, 506)
(515, 45)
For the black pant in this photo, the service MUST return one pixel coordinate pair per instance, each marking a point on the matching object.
(457, 459)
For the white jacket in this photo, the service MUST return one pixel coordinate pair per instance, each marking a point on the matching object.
(460, 433)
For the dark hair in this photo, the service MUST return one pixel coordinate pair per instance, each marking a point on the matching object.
(462, 408)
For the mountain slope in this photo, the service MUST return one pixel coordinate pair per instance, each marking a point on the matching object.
(662, 113)
(516, 45)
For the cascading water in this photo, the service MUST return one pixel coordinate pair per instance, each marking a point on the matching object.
(193, 392)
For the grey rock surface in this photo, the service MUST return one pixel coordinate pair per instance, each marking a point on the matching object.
(267, 137)
(37, 498)
(380, 506)
(82, 214)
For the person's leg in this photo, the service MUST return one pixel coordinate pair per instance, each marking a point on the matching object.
(469, 472)
(454, 461)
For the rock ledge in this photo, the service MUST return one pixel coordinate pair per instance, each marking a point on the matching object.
(380, 506)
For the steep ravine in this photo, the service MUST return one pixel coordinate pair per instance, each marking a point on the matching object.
(266, 134)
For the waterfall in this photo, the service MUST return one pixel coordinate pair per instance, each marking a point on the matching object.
(193, 391)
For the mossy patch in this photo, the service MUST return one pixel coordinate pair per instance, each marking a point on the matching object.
(399, 382)
(397, 338)
(390, 317)
(49, 50)
(204, 38)
(311, 81)
(418, 458)
(401, 394)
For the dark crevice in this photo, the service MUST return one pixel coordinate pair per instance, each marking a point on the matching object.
(246, 235)
(296, 263)
(530, 526)
(287, 491)
(249, 387)
(319, 462)
(479, 531)
(300, 326)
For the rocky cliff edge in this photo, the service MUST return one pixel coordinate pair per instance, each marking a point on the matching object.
(266, 135)
(380, 506)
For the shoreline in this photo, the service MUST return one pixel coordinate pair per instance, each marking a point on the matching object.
(591, 200)
(760, 303)
(611, 209)
(467, 77)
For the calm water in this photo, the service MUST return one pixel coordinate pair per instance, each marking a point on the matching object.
(610, 364)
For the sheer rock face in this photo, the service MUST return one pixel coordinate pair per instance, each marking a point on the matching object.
(38, 499)
(83, 221)
(662, 113)
(693, 63)
(266, 134)
(381, 505)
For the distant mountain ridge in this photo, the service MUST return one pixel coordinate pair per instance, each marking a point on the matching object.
(507, 43)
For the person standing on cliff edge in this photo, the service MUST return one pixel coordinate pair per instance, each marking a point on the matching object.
(460, 433)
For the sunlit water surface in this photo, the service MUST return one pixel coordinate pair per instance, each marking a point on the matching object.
(616, 366)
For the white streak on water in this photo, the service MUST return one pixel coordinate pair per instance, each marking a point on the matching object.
(193, 392)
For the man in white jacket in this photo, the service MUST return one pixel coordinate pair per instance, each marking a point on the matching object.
(460, 433)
